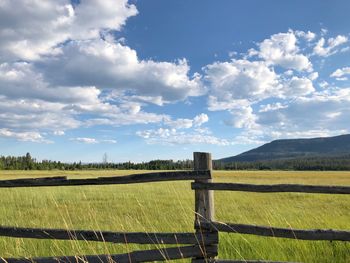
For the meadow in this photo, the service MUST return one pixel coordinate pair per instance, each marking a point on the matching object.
(169, 207)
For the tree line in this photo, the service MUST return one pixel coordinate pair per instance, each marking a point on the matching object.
(28, 163)
(300, 164)
(340, 163)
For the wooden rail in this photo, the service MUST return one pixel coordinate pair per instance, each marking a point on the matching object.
(296, 188)
(314, 234)
(135, 256)
(107, 236)
(237, 261)
(127, 179)
(203, 242)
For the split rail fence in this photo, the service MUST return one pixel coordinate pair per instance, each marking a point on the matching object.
(200, 246)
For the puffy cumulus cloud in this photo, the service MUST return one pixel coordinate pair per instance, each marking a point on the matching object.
(175, 137)
(296, 87)
(327, 48)
(242, 117)
(119, 118)
(272, 107)
(109, 65)
(34, 28)
(271, 93)
(313, 76)
(325, 112)
(308, 36)
(93, 15)
(20, 80)
(241, 80)
(200, 119)
(322, 114)
(241, 83)
(197, 121)
(182, 131)
(214, 104)
(282, 49)
(27, 115)
(28, 102)
(61, 68)
(24, 136)
(340, 73)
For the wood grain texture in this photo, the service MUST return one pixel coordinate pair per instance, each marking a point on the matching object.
(272, 188)
(107, 236)
(135, 256)
(312, 234)
(127, 179)
(204, 199)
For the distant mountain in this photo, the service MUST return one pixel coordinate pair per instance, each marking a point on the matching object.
(296, 148)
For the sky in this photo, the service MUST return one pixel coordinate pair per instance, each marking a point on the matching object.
(160, 79)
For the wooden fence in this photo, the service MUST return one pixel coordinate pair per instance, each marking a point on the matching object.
(201, 245)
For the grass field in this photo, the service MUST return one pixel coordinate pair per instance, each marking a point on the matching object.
(168, 207)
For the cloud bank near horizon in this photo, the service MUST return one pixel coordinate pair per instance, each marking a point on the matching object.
(63, 68)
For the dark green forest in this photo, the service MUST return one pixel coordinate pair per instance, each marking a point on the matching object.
(27, 162)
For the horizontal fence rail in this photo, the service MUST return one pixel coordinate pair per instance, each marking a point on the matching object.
(237, 261)
(127, 179)
(203, 243)
(314, 234)
(107, 236)
(274, 188)
(161, 254)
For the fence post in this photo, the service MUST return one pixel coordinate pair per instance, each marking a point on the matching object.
(204, 201)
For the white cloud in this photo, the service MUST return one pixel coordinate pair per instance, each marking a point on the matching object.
(35, 28)
(91, 16)
(88, 140)
(74, 67)
(296, 87)
(174, 137)
(327, 49)
(85, 140)
(59, 133)
(241, 80)
(282, 49)
(20, 80)
(272, 107)
(31, 114)
(341, 72)
(279, 102)
(113, 66)
(325, 112)
(242, 118)
(200, 119)
(308, 36)
(180, 123)
(215, 104)
(313, 76)
(323, 84)
(24, 136)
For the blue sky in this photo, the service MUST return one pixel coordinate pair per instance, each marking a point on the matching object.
(142, 80)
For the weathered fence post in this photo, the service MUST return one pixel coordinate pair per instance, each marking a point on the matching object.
(204, 202)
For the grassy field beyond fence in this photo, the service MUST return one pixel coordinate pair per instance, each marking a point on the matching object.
(168, 207)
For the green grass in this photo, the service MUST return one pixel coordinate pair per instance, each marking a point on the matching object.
(168, 207)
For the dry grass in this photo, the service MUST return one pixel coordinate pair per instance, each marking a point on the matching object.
(168, 207)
